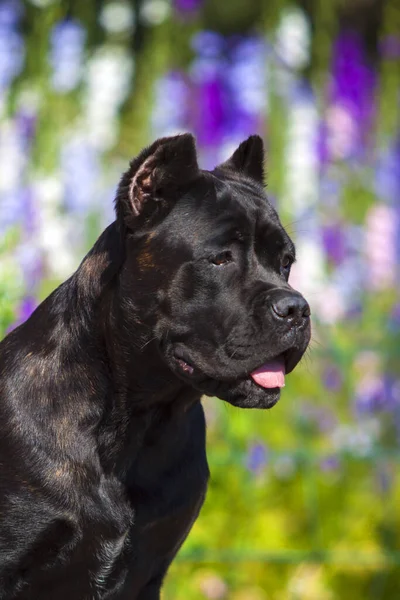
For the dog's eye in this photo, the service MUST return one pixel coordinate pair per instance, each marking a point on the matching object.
(286, 263)
(222, 258)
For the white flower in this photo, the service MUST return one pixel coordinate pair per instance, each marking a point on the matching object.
(357, 439)
(308, 272)
(43, 3)
(154, 12)
(341, 131)
(380, 245)
(170, 107)
(12, 157)
(108, 82)
(117, 17)
(293, 38)
(329, 304)
(213, 587)
(54, 228)
(301, 161)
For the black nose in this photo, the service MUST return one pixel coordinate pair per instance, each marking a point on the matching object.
(292, 307)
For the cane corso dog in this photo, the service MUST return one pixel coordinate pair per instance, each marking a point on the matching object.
(102, 449)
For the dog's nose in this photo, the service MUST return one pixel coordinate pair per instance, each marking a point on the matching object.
(291, 307)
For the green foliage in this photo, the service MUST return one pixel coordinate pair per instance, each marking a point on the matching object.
(10, 281)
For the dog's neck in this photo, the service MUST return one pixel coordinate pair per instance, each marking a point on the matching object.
(135, 366)
(145, 393)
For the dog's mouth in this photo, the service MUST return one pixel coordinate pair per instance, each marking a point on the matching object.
(270, 374)
(265, 381)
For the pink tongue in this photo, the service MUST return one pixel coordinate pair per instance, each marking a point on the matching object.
(270, 375)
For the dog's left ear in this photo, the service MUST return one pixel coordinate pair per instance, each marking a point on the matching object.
(248, 159)
(155, 177)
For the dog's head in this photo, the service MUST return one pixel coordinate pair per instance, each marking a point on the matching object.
(207, 271)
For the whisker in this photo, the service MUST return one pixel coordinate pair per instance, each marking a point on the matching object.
(233, 353)
(148, 342)
(295, 231)
(295, 221)
(314, 342)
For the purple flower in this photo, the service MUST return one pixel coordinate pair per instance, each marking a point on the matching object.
(67, 42)
(349, 279)
(320, 417)
(387, 173)
(352, 97)
(187, 6)
(353, 80)
(28, 217)
(170, 113)
(332, 378)
(11, 208)
(245, 80)
(333, 240)
(208, 44)
(30, 260)
(365, 403)
(384, 478)
(390, 46)
(211, 116)
(257, 458)
(391, 387)
(394, 318)
(27, 253)
(329, 463)
(26, 308)
(12, 51)
(80, 170)
(377, 393)
(229, 79)
(10, 13)
(322, 143)
(26, 124)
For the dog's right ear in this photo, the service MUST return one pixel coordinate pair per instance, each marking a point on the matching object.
(248, 159)
(155, 176)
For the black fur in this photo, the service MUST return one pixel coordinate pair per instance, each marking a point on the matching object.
(103, 466)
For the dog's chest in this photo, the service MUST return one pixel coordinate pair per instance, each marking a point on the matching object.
(168, 480)
(165, 486)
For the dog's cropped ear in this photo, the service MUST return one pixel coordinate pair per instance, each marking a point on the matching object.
(248, 159)
(156, 175)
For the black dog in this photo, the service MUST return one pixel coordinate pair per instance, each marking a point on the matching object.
(102, 449)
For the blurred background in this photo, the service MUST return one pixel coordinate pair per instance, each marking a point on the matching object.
(304, 499)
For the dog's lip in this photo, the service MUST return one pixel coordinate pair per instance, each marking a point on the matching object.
(183, 360)
(291, 357)
(187, 366)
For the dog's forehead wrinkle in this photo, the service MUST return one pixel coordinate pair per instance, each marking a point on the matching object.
(235, 210)
(269, 226)
(237, 178)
